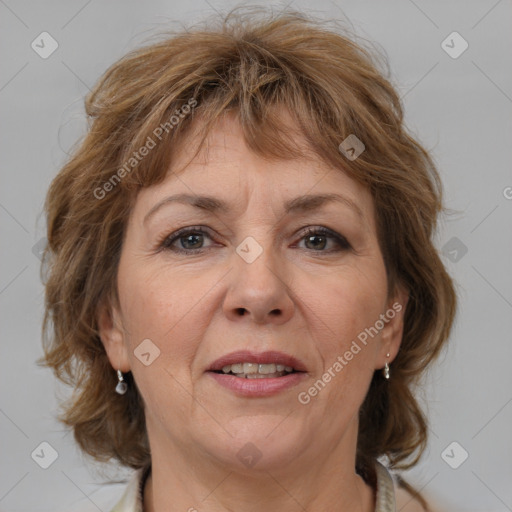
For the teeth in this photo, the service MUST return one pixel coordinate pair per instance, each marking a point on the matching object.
(257, 371)
(237, 368)
(265, 369)
(250, 368)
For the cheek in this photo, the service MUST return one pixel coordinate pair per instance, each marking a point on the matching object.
(347, 304)
(344, 312)
(165, 307)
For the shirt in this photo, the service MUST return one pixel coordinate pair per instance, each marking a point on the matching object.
(131, 500)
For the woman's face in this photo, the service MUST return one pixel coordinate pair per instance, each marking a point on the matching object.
(278, 267)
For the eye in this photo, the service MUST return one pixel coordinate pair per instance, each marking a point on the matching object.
(185, 240)
(317, 239)
(191, 240)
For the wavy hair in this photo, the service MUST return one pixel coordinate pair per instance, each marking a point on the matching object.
(248, 65)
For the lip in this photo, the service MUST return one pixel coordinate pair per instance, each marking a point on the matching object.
(257, 387)
(247, 356)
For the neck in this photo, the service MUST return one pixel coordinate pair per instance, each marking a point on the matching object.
(236, 497)
(187, 482)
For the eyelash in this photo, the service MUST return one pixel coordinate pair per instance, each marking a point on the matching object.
(166, 242)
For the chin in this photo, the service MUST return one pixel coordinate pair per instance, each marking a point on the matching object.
(256, 444)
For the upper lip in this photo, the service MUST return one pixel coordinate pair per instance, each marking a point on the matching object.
(247, 356)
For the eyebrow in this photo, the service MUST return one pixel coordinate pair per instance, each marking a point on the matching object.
(298, 204)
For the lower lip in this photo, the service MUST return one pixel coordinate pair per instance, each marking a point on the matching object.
(258, 387)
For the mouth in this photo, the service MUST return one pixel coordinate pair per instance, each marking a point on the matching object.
(257, 375)
(256, 370)
(246, 364)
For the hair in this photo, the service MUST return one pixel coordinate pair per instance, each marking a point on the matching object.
(248, 66)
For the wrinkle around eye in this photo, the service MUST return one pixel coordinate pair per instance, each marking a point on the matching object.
(358, 239)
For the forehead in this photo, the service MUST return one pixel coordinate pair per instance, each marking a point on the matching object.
(227, 169)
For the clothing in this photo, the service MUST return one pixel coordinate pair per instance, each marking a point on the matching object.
(131, 501)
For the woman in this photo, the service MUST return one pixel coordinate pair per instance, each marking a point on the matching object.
(241, 280)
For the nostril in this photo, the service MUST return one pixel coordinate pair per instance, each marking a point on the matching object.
(241, 311)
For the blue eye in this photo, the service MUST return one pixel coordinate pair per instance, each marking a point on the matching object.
(191, 240)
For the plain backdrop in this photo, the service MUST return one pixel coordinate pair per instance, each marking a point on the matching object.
(458, 104)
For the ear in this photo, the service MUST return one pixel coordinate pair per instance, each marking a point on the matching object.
(112, 336)
(391, 334)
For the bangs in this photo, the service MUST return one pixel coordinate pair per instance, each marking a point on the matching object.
(255, 86)
(281, 129)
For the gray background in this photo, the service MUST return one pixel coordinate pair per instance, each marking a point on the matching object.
(460, 108)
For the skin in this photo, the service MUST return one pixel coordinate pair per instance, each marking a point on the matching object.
(306, 297)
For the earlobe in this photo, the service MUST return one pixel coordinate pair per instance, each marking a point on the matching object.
(112, 336)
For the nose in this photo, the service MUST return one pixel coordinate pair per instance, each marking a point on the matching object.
(259, 291)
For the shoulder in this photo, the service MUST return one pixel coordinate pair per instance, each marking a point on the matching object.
(131, 500)
(118, 497)
(106, 497)
(395, 493)
(405, 502)
(407, 496)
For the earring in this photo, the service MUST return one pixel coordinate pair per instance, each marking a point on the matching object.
(386, 369)
(121, 385)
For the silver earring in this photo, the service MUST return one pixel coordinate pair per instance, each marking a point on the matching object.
(121, 385)
(386, 369)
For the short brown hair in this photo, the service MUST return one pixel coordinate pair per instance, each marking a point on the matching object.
(248, 65)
